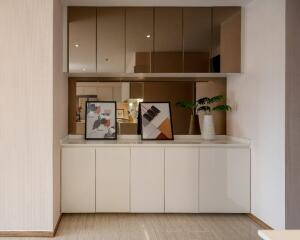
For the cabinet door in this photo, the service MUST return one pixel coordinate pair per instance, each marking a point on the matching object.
(139, 39)
(224, 180)
(168, 55)
(197, 39)
(112, 179)
(226, 42)
(82, 39)
(181, 179)
(147, 179)
(111, 40)
(78, 180)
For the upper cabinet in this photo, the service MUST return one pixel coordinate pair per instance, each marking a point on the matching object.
(139, 39)
(226, 43)
(155, 40)
(197, 23)
(110, 40)
(82, 39)
(167, 56)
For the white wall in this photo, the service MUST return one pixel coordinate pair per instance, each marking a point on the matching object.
(258, 97)
(27, 104)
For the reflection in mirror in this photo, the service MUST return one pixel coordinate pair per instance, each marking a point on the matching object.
(167, 55)
(226, 46)
(128, 95)
(139, 39)
(197, 39)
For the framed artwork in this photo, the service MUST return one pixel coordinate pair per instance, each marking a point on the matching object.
(155, 121)
(100, 120)
(120, 114)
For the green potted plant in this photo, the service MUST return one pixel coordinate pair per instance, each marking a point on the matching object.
(205, 105)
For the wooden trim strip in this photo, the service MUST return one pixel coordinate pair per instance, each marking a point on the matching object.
(57, 225)
(48, 234)
(26, 234)
(259, 222)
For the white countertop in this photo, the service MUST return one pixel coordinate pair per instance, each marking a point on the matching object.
(134, 141)
(279, 234)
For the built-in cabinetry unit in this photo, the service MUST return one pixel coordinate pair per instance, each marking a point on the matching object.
(156, 177)
(82, 39)
(181, 179)
(110, 40)
(112, 179)
(154, 40)
(78, 180)
(147, 179)
(227, 170)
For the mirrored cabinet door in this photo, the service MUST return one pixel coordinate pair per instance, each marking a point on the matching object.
(226, 50)
(139, 39)
(197, 35)
(111, 40)
(167, 56)
(82, 39)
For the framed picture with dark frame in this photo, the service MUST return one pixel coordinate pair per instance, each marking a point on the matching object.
(100, 120)
(120, 113)
(155, 121)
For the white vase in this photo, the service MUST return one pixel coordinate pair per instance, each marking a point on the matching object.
(208, 128)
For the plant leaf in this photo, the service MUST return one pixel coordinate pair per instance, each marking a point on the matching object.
(214, 99)
(204, 108)
(186, 104)
(223, 107)
(203, 101)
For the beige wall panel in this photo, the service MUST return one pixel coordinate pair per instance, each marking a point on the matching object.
(26, 105)
(139, 38)
(111, 40)
(82, 39)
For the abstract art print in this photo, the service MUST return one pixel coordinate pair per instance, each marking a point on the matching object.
(100, 120)
(156, 121)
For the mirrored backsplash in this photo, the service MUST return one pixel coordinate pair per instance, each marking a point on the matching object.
(128, 95)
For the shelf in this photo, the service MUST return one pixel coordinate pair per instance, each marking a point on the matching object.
(151, 76)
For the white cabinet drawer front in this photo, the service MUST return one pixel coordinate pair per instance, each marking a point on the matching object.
(224, 180)
(181, 179)
(112, 179)
(78, 180)
(147, 179)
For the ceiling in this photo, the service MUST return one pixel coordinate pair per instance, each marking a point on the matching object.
(177, 3)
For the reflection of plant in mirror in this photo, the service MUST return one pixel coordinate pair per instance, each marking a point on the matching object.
(204, 104)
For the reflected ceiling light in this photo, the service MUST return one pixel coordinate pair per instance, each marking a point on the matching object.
(148, 36)
(76, 45)
(83, 69)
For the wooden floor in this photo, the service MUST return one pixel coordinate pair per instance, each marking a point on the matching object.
(155, 227)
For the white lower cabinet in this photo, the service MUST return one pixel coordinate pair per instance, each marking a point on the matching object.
(181, 179)
(150, 179)
(112, 179)
(224, 180)
(147, 179)
(78, 180)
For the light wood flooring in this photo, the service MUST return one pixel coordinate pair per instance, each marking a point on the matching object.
(155, 227)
